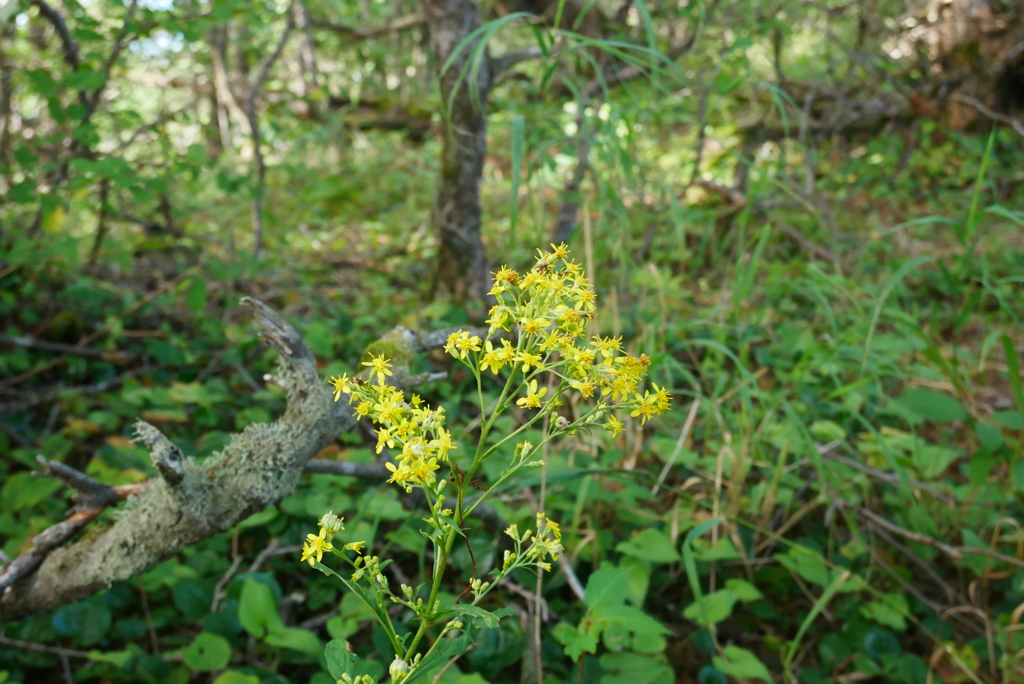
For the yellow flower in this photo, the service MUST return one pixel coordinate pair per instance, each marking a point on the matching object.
(532, 326)
(506, 275)
(586, 387)
(341, 386)
(315, 546)
(443, 444)
(380, 367)
(533, 395)
(560, 250)
(459, 344)
(614, 426)
(529, 360)
(355, 546)
(384, 437)
(646, 407)
(491, 359)
(662, 398)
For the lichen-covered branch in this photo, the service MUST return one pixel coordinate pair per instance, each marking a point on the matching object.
(259, 466)
(190, 502)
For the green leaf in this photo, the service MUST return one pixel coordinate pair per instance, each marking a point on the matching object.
(989, 436)
(25, 490)
(297, 639)
(236, 677)
(806, 564)
(739, 662)
(207, 653)
(634, 620)
(712, 608)
(689, 564)
(257, 610)
(340, 660)
(606, 587)
(1011, 420)
(932, 405)
(118, 659)
(634, 668)
(446, 649)
(197, 293)
(650, 545)
(724, 549)
(575, 641)
(744, 590)
(889, 612)
(371, 602)
(484, 618)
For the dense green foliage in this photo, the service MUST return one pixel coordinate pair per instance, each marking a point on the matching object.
(836, 494)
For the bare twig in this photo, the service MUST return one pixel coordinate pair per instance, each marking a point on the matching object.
(510, 59)
(954, 552)
(42, 648)
(680, 443)
(72, 349)
(889, 478)
(218, 589)
(59, 25)
(356, 35)
(115, 52)
(1015, 124)
(89, 492)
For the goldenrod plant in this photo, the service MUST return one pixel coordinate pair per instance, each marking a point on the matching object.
(537, 350)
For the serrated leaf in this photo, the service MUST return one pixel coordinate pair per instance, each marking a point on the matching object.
(576, 642)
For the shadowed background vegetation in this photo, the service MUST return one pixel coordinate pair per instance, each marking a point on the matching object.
(807, 212)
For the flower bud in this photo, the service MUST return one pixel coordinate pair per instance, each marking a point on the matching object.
(399, 669)
(332, 524)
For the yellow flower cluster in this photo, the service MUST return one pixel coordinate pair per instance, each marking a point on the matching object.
(412, 427)
(547, 544)
(551, 306)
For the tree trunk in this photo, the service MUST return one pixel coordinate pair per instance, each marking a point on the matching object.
(462, 265)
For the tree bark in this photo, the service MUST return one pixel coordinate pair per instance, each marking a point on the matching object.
(462, 262)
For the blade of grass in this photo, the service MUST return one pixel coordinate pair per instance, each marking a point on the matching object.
(895, 280)
(690, 565)
(518, 135)
(820, 604)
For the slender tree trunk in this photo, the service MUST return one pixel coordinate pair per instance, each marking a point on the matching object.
(463, 267)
